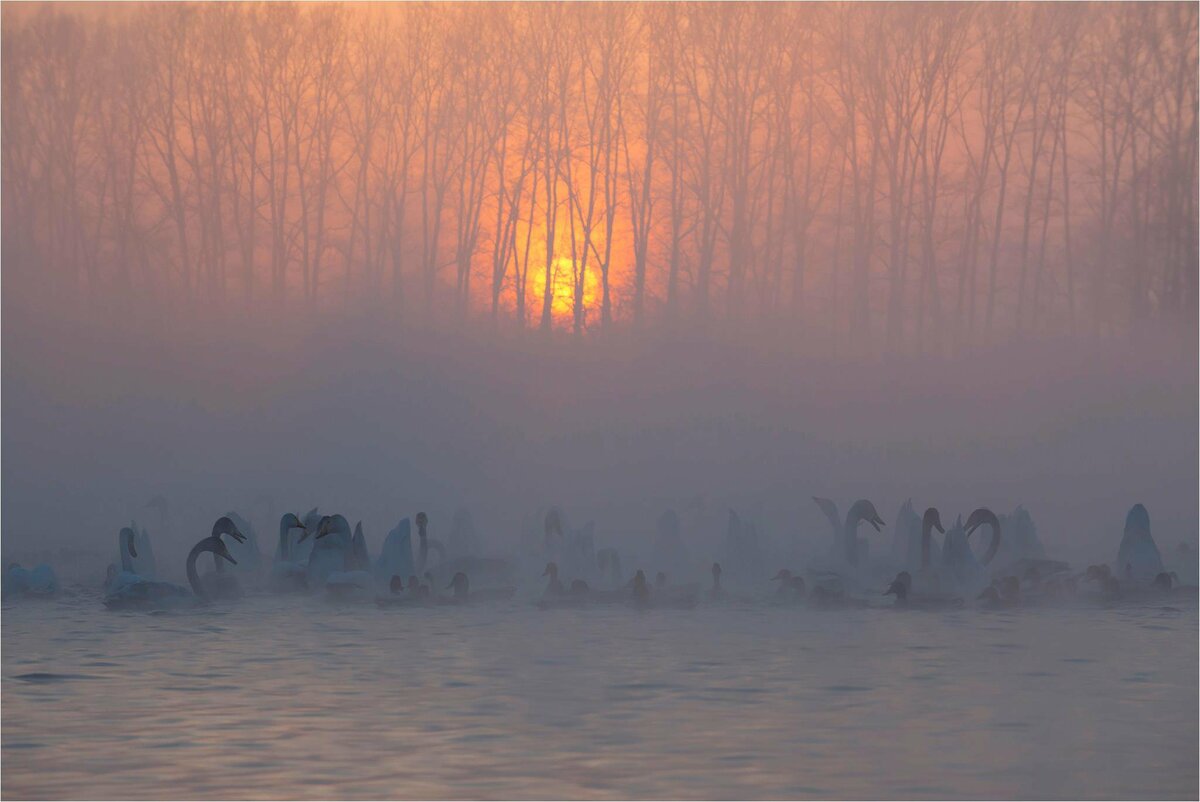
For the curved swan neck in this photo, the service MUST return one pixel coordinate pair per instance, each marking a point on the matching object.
(995, 546)
(193, 555)
(126, 558)
(285, 552)
(850, 534)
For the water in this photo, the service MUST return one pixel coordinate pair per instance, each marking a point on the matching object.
(272, 698)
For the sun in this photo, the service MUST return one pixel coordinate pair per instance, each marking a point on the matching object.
(562, 280)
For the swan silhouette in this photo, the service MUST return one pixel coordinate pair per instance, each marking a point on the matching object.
(220, 584)
(287, 573)
(980, 517)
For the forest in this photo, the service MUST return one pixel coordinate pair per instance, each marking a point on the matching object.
(914, 177)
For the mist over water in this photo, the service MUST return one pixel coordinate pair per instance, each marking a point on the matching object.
(274, 414)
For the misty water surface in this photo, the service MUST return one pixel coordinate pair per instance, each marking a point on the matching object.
(272, 698)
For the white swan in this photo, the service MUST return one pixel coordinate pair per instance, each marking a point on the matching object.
(847, 544)
(219, 583)
(908, 540)
(1138, 558)
(288, 573)
(329, 549)
(40, 581)
(339, 561)
(396, 557)
(144, 564)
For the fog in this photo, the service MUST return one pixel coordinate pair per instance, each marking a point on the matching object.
(266, 415)
(615, 257)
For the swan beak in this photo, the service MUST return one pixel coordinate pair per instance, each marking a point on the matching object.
(229, 557)
(303, 536)
(238, 536)
(972, 528)
(938, 526)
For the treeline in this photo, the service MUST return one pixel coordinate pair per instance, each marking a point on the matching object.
(909, 174)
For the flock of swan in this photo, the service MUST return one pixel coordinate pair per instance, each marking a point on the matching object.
(929, 566)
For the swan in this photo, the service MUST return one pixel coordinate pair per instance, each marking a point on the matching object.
(960, 568)
(908, 543)
(426, 543)
(574, 549)
(554, 586)
(219, 550)
(127, 575)
(219, 584)
(980, 517)
(330, 546)
(901, 588)
(854, 550)
(661, 596)
(396, 557)
(1167, 583)
(352, 576)
(287, 573)
(715, 591)
(790, 587)
(1138, 559)
(1110, 587)
(144, 564)
(41, 581)
(641, 592)
(462, 591)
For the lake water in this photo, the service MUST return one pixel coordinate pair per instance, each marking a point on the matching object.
(271, 697)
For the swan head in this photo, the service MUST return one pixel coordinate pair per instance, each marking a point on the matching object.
(716, 570)
(127, 537)
(396, 585)
(933, 520)
(226, 526)
(1165, 580)
(459, 583)
(660, 580)
(900, 585)
(864, 510)
(413, 582)
(980, 517)
(551, 570)
(324, 527)
(898, 588)
(422, 521)
(1137, 521)
(218, 547)
(639, 579)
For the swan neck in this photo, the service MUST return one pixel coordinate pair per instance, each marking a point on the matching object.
(192, 576)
